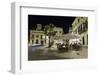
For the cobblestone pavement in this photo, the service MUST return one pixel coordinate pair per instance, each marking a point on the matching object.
(47, 54)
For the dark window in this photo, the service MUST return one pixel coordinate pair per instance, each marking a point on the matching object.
(32, 36)
(37, 41)
(32, 41)
(87, 39)
(41, 42)
(37, 36)
(60, 32)
(80, 29)
(83, 41)
(85, 26)
(45, 41)
(41, 36)
(78, 20)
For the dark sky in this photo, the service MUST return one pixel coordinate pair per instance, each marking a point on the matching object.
(59, 21)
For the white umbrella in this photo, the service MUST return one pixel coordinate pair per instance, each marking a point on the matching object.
(71, 36)
(68, 36)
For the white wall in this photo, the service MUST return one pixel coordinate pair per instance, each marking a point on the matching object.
(5, 33)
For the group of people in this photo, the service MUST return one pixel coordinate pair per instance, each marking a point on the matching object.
(74, 45)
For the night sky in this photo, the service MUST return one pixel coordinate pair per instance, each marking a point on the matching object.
(59, 21)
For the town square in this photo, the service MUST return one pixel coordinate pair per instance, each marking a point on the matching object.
(57, 37)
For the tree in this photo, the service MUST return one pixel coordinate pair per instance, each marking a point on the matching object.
(49, 31)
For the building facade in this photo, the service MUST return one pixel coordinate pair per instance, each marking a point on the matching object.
(59, 31)
(37, 37)
(80, 26)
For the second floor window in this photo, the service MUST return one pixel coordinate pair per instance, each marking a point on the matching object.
(37, 36)
(41, 36)
(60, 32)
(32, 36)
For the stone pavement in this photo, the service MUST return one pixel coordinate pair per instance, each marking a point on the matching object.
(49, 54)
